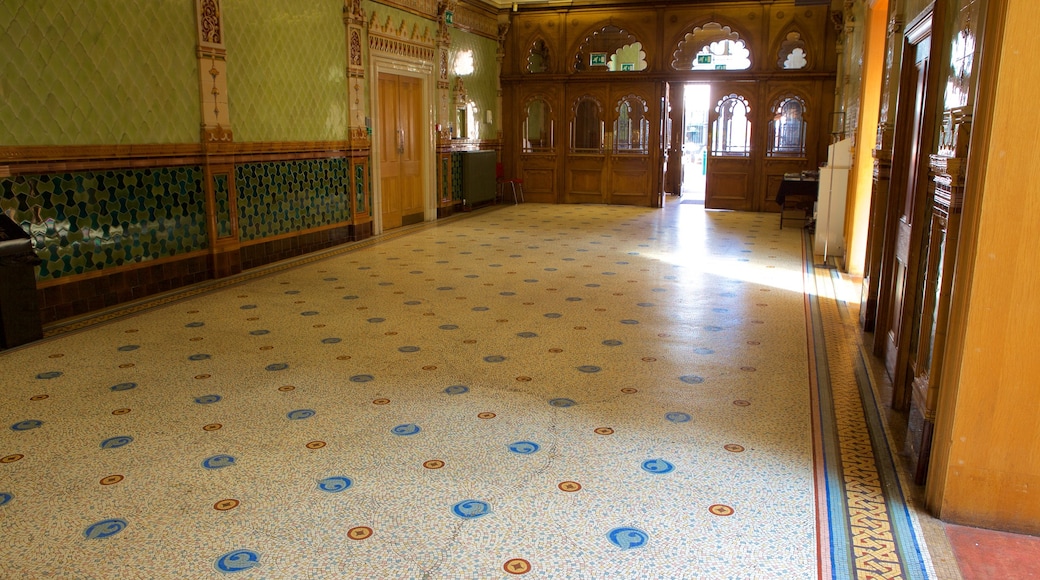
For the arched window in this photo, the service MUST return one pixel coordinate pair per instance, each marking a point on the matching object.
(711, 47)
(587, 129)
(787, 128)
(632, 127)
(731, 130)
(538, 126)
(792, 55)
(610, 49)
(538, 57)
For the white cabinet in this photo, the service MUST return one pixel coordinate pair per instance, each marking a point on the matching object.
(829, 239)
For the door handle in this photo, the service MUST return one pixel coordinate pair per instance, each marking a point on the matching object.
(400, 141)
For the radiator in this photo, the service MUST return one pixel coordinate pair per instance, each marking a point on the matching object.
(479, 179)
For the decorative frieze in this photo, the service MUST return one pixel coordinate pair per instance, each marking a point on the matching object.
(425, 8)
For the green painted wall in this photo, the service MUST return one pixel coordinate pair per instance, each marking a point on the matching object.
(98, 72)
(286, 70)
(482, 84)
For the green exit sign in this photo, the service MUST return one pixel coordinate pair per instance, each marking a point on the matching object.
(449, 17)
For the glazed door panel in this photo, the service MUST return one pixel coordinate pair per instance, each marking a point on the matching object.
(731, 167)
(400, 149)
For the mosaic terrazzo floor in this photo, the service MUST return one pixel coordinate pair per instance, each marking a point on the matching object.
(546, 391)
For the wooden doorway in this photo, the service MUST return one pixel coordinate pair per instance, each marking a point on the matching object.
(908, 208)
(401, 138)
(730, 166)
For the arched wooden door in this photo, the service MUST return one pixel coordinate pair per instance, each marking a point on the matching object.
(731, 165)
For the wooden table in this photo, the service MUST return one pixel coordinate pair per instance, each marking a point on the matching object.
(797, 195)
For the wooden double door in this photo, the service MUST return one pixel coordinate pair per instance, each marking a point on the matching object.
(401, 138)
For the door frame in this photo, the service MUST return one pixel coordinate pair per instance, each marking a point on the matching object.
(423, 70)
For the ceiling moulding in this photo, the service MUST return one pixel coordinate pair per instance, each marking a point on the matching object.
(531, 5)
(424, 8)
(476, 20)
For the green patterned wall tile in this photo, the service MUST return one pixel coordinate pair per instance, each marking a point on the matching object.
(98, 72)
(87, 221)
(286, 197)
(359, 187)
(456, 176)
(286, 69)
(222, 201)
(482, 83)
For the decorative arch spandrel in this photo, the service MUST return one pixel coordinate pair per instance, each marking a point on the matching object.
(712, 46)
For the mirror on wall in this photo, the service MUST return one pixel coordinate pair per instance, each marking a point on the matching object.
(610, 49)
(632, 127)
(538, 57)
(538, 126)
(587, 130)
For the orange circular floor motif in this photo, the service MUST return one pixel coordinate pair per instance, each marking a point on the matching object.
(195, 339)
(629, 390)
(517, 566)
(266, 347)
(603, 431)
(359, 533)
(749, 369)
(580, 328)
(286, 388)
(251, 318)
(721, 510)
(754, 342)
(56, 355)
(433, 464)
(126, 365)
(429, 368)
(391, 333)
(111, 479)
(742, 403)
(485, 415)
(569, 486)
(469, 341)
(649, 359)
(130, 330)
(211, 427)
(225, 505)
(120, 411)
(381, 402)
(38, 397)
(318, 326)
(204, 376)
(343, 357)
(555, 350)
(11, 458)
(523, 379)
(733, 447)
(315, 445)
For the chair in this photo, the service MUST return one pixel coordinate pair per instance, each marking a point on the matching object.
(514, 182)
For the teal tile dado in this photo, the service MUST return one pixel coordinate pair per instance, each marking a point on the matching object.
(288, 196)
(92, 220)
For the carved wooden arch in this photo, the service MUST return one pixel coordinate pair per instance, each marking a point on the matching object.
(579, 50)
(686, 49)
(783, 94)
(600, 110)
(629, 98)
(547, 101)
(526, 63)
(778, 98)
(587, 97)
(779, 48)
(538, 97)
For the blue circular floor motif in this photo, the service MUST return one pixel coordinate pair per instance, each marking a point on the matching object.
(691, 379)
(456, 389)
(449, 327)
(621, 263)
(612, 343)
(507, 293)
(408, 349)
(471, 508)
(713, 328)
(364, 267)
(194, 324)
(728, 294)
(406, 429)
(743, 260)
(489, 266)
(350, 297)
(386, 284)
(524, 447)
(531, 280)
(416, 272)
(259, 332)
(248, 306)
(309, 313)
(629, 321)
(277, 366)
(658, 289)
(376, 320)
(562, 403)
(526, 334)
(292, 291)
(480, 309)
(628, 538)
(218, 461)
(334, 484)
(657, 466)
(495, 358)
(331, 279)
(552, 315)
(300, 414)
(361, 378)
(678, 417)
(720, 309)
(237, 561)
(702, 350)
(128, 347)
(5, 498)
(26, 425)
(116, 442)
(609, 273)
(412, 302)
(445, 288)
(573, 299)
(550, 269)
(104, 529)
(589, 369)
(49, 375)
(207, 399)
(645, 304)
(199, 356)
(592, 285)
(123, 387)
(331, 340)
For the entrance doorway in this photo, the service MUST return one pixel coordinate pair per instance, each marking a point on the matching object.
(401, 139)
(696, 105)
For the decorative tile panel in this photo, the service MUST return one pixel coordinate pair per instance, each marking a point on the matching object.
(222, 201)
(286, 69)
(88, 221)
(286, 197)
(102, 72)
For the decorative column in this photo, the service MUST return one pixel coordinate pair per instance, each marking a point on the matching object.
(360, 139)
(445, 111)
(216, 137)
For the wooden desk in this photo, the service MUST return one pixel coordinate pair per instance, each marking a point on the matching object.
(797, 195)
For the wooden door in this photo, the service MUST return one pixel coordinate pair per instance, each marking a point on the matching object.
(908, 206)
(400, 150)
(586, 160)
(731, 174)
